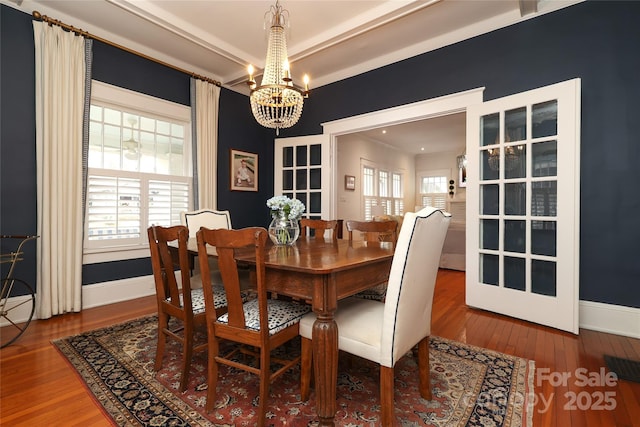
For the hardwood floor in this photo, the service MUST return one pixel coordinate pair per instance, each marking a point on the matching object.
(39, 388)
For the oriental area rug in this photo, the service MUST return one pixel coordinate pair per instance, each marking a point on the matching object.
(471, 386)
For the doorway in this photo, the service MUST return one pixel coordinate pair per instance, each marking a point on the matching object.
(436, 108)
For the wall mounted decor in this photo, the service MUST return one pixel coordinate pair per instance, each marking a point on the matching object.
(349, 182)
(244, 171)
(462, 178)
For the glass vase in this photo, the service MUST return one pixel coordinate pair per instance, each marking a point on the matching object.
(283, 231)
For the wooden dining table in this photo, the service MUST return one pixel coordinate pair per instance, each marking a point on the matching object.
(323, 272)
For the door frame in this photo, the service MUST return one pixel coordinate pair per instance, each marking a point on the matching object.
(421, 110)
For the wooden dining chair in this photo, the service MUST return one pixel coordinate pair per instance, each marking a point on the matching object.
(184, 303)
(319, 227)
(374, 231)
(385, 332)
(260, 324)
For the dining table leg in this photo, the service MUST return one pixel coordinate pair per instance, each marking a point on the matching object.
(325, 347)
(325, 357)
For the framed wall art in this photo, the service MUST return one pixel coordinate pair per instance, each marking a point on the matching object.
(349, 182)
(244, 171)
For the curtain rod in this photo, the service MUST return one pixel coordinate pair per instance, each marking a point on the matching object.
(39, 17)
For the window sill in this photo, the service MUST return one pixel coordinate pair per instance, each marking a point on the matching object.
(95, 256)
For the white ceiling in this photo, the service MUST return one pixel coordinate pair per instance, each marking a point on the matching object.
(328, 40)
(443, 133)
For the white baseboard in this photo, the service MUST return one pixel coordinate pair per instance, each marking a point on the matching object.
(93, 296)
(610, 318)
(20, 313)
(117, 291)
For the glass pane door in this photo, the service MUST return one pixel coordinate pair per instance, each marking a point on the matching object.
(525, 205)
(301, 172)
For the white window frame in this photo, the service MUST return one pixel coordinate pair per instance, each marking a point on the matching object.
(439, 199)
(115, 97)
(390, 197)
(397, 192)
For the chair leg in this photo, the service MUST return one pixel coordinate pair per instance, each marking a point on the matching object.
(163, 323)
(424, 369)
(386, 396)
(212, 371)
(187, 354)
(265, 380)
(306, 361)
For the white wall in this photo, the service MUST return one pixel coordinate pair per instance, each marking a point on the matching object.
(352, 149)
(438, 161)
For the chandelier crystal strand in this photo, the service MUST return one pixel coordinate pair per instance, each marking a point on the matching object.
(277, 102)
(511, 158)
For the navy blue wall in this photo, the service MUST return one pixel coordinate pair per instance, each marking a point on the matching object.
(237, 129)
(17, 136)
(595, 41)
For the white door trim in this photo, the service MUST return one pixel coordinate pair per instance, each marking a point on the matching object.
(429, 108)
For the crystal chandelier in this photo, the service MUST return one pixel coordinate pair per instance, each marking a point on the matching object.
(462, 160)
(511, 158)
(277, 102)
(511, 154)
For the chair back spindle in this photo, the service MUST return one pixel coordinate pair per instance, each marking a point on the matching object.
(319, 227)
(376, 231)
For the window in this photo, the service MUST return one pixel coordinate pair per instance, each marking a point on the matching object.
(139, 170)
(433, 189)
(383, 190)
(368, 191)
(383, 184)
(397, 193)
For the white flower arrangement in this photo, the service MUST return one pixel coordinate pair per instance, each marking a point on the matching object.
(285, 208)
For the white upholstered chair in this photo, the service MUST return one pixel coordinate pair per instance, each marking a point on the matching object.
(374, 231)
(209, 218)
(385, 332)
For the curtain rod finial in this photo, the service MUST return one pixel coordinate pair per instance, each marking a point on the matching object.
(37, 15)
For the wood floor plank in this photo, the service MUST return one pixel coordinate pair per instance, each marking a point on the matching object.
(38, 387)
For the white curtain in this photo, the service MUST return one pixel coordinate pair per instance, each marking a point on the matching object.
(207, 96)
(60, 90)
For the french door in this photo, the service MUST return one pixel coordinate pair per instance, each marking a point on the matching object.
(302, 171)
(523, 210)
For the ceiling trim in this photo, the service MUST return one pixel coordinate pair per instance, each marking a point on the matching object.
(354, 28)
(528, 7)
(154, 15)
(169, 35)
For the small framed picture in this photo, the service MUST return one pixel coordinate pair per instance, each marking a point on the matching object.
(349, 182)
(244, 171)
